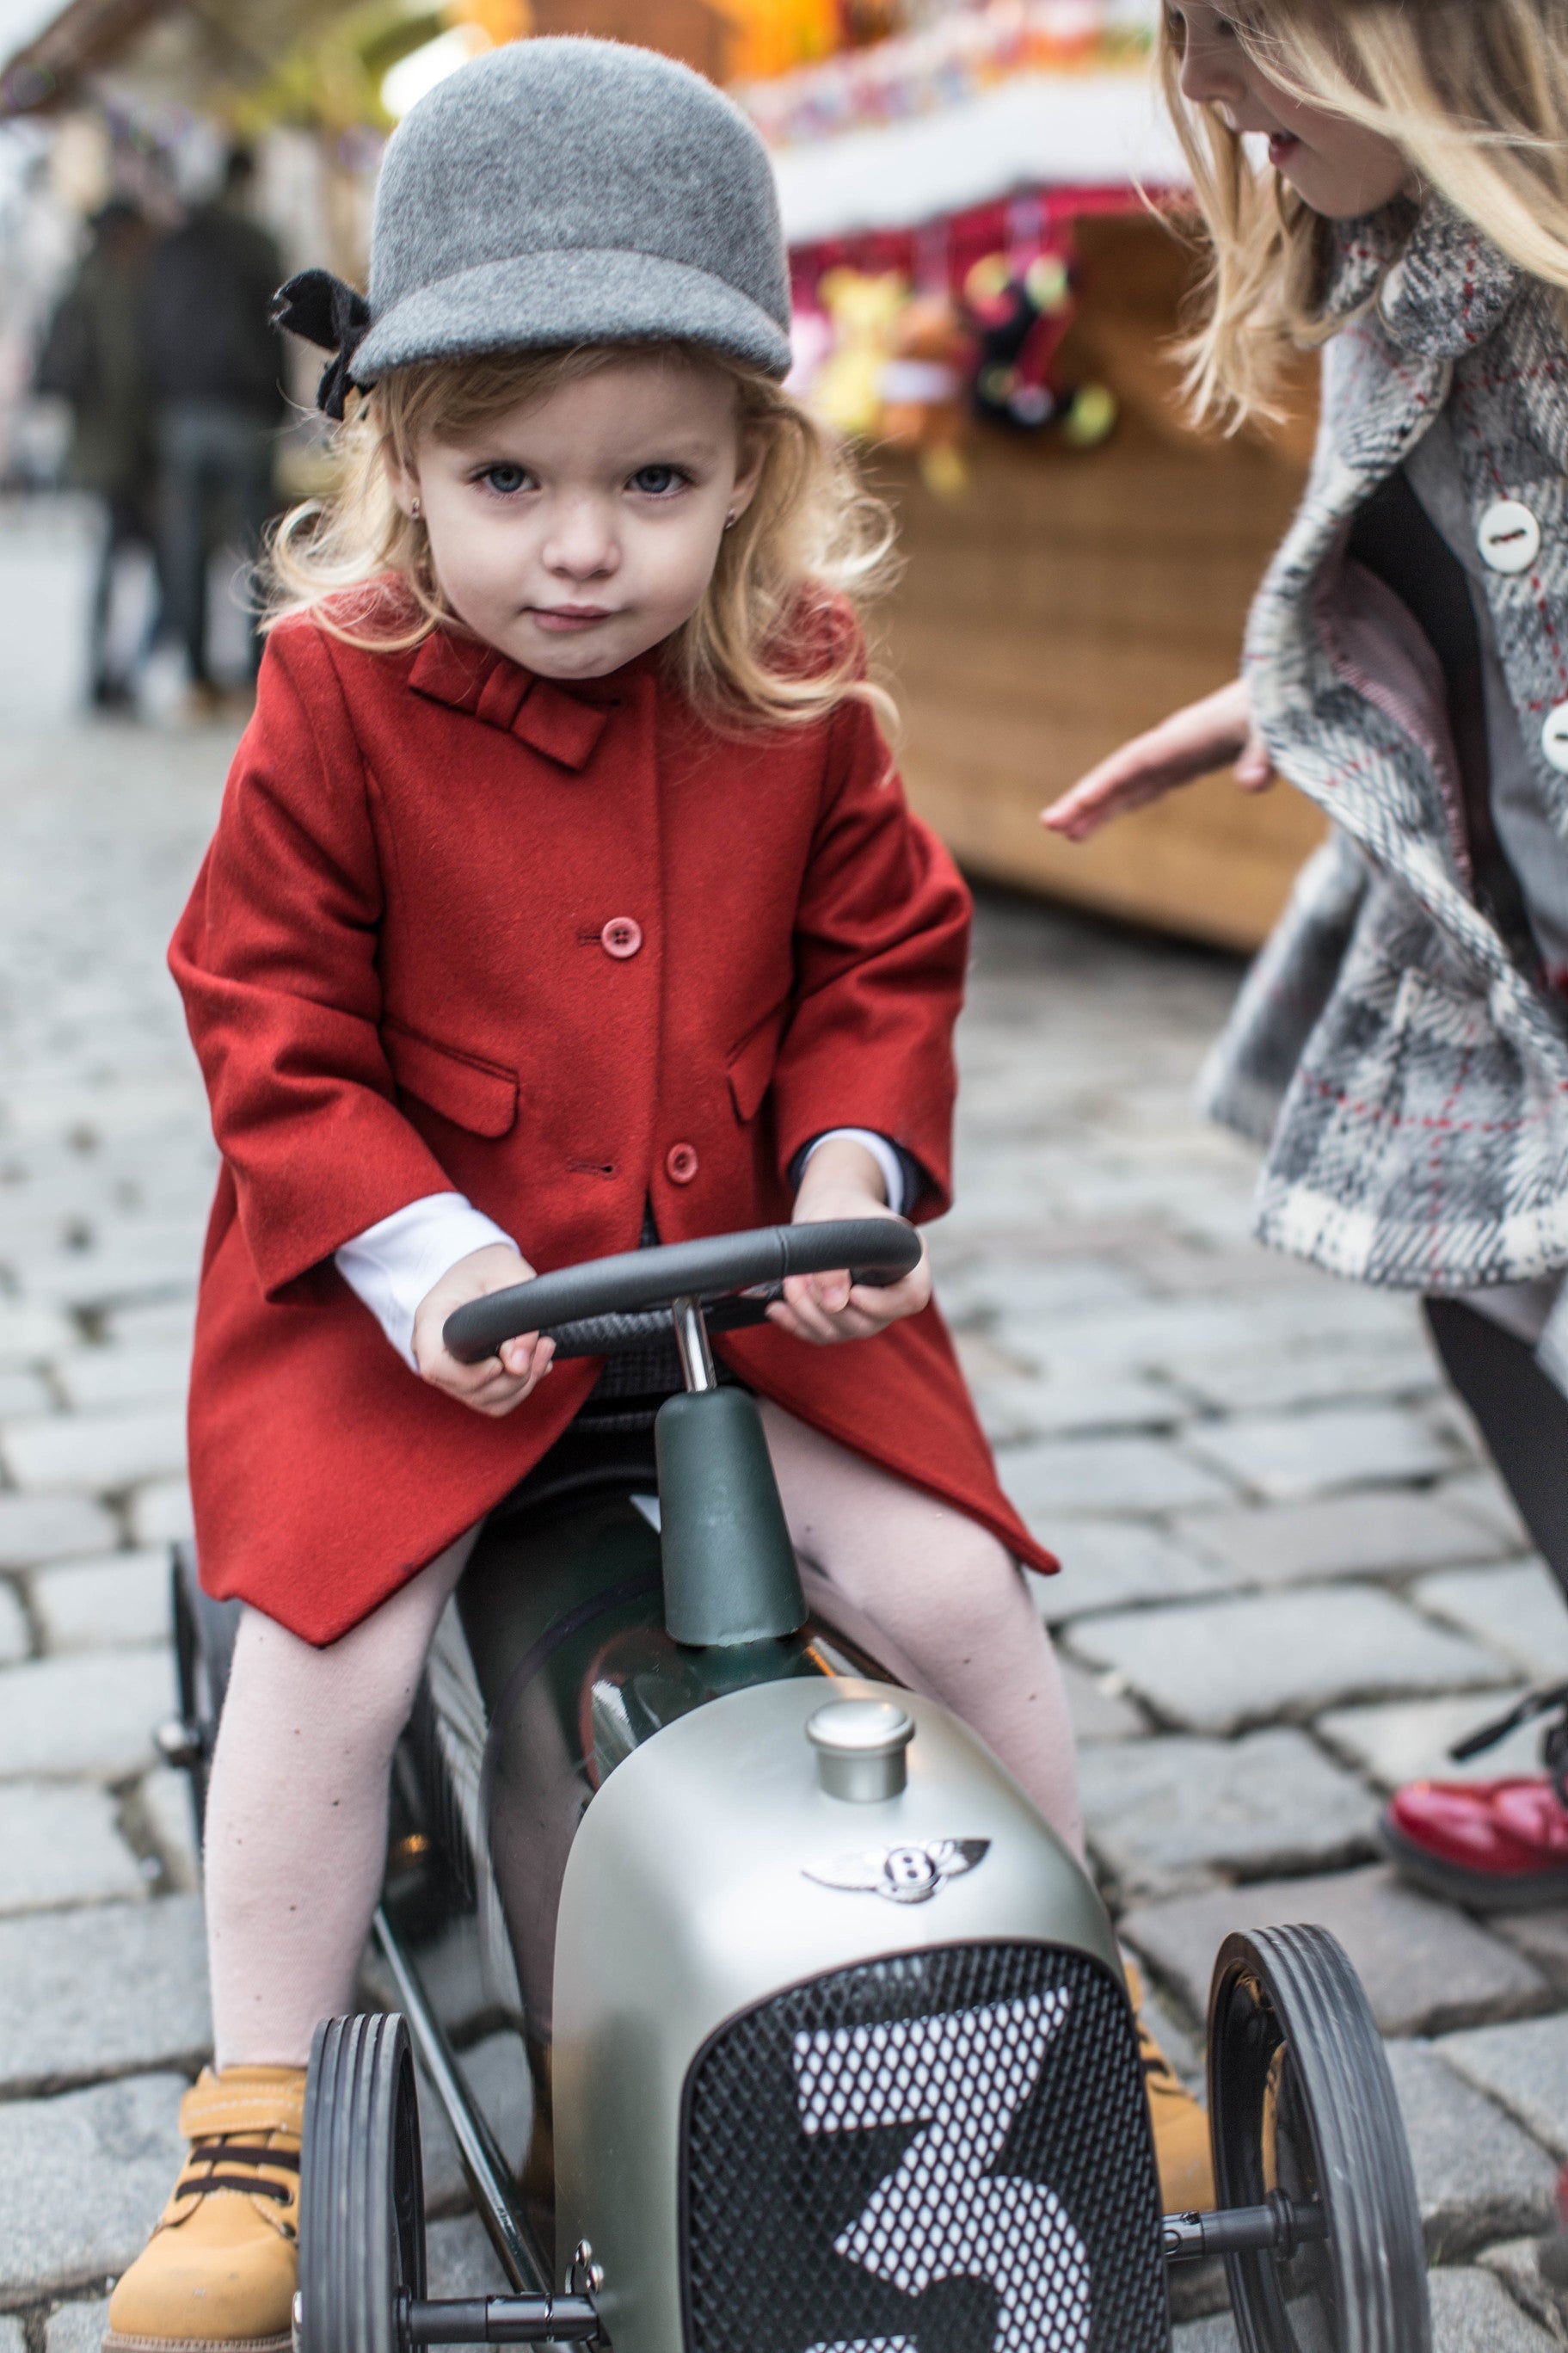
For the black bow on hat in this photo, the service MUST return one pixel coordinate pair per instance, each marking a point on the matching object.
(322, 309)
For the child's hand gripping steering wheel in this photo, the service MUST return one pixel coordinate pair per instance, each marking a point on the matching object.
(609, 1304)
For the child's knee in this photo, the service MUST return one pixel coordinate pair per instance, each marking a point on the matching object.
(962, 1590)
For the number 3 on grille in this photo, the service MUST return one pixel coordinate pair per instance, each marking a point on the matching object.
(943, 2214)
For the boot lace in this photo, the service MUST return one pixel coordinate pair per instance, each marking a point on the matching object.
(1554, 1738)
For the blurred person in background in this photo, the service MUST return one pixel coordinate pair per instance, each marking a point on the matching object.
(95, 358)
(215, 363)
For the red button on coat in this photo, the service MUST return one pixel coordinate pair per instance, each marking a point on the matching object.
(680, 1163)
(621, 936)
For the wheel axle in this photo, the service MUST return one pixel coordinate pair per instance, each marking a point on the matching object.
(1277, 2227)
(498, 2320)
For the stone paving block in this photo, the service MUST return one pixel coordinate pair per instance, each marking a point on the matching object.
(1425, 1966)
(1513, 2261)
(1378, 1533)
(22, 1392)
(1219, 1666)
(1056, 1407)
(119, 1989)
(92, 1713)
(141, 1375)
(134, 1264)
(1473, 2314)
(165, 1802)
(1518, 1609)
(51, 1527)
(1289, 1457)
(101, 1452)
(1523, 2065)
(160, 1513)
(1098, 1714)
(171, 1323)
(1117, 1563)
(1154, 1336)
(77, 2327)
(460, 2261)
(31, 1331)
(104, 1604)
(60, 1844)
(13, 2334)
(1477, 2176)
(1013, 1286)
(497, 2073)
(1102, 1476)
(1268, 1380)
(1216, 2333)
(446, 2188)
(1165, 1814)
(83, 2178)
(1409, 1740)
(1481, 1496)
(15, 1635)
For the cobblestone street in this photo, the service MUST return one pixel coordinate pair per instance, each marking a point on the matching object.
(1290, 1583)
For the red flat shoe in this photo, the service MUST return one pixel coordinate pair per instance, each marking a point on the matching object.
(1495, 1846)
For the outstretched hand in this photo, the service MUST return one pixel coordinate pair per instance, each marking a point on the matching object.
(842, 1180)
(503, 1381)
(1218, 731)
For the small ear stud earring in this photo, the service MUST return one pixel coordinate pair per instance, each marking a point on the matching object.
(731, 521)
(414, 509)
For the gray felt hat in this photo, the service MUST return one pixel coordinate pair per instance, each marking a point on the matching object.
(562, 191)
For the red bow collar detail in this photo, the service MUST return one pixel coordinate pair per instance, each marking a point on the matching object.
(477, 678)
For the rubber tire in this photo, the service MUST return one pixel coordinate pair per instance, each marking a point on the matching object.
(361, 2188)
(205, 1632)
(1288, 1998)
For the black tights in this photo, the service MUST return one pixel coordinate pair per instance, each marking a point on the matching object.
(1521, 1414)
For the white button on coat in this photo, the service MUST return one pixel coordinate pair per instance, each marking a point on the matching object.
(1508, 536)
(1555, 738)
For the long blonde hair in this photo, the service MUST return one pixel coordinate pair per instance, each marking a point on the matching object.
(763, 646)
(1475, 92)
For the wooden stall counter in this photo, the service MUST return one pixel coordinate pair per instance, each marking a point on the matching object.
(1067, 600)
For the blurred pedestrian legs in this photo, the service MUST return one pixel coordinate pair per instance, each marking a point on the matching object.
(216, 464)
(217, 365)
(95, 358)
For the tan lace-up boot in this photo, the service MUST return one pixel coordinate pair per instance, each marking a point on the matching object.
(219, 2271)
(1180, 2123)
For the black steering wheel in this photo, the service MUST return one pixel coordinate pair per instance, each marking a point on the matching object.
(611, 1305)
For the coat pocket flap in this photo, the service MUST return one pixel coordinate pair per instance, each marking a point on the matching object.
(479, 1096)
(750, 1068)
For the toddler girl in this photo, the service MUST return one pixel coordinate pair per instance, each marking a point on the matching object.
(563, 897)
(1402, 1044)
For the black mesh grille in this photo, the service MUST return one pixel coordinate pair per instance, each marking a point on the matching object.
(944, 2152)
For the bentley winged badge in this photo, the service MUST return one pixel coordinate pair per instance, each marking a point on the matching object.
(904, 1874)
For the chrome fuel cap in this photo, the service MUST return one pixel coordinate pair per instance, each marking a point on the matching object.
(861, 1745)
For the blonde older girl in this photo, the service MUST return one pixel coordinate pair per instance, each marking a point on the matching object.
(1390, 183)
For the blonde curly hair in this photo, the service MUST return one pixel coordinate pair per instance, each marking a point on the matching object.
(761, 648)
(1475, 92)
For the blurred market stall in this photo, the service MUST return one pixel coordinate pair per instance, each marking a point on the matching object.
(981, 199)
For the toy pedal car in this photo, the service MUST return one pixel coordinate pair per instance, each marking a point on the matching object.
(827, 2042)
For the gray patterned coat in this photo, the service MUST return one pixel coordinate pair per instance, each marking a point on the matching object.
(1410, 1079)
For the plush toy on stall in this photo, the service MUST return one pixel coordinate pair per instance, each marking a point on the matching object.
(925, 385)
(864, 312)
(1018, 318)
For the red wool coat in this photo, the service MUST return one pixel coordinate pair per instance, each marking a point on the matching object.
(396, 971)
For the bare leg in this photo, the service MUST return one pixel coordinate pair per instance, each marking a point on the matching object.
(295, 1826)
(949, 1594)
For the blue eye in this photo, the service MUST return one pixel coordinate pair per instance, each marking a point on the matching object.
(658, 481)
(505, 480)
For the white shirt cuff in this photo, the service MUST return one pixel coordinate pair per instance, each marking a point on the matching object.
(882, 1152)
(394, 1262)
